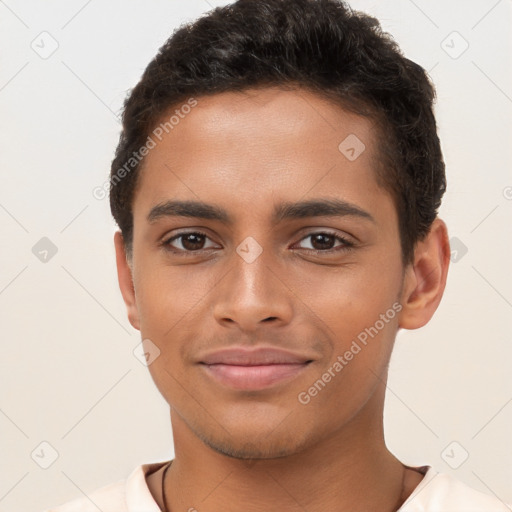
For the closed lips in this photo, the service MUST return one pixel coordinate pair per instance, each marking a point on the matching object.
(254, 357)
(255, 369)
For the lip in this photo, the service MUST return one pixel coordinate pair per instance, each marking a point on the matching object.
(253, 356)
(253, 369)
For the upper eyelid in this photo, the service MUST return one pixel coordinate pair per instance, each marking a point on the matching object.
(326, 232)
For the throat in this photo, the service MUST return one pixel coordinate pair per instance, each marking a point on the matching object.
(268, 488)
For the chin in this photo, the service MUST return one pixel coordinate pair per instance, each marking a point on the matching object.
(247, 450)
(251, 444)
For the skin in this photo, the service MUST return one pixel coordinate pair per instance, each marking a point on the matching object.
(246, 153)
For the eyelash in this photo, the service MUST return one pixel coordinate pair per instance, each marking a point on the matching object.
(347, 245)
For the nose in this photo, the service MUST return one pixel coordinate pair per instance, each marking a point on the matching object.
(252, 294)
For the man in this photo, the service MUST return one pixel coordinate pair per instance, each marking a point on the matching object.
(276, 186)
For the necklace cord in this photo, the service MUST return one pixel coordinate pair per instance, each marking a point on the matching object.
(164, 499)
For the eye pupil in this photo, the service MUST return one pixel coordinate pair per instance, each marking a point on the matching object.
(195, 245)
(324, 239)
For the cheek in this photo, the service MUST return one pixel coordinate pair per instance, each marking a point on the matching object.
(359, 307)
(169, 297)
(348, 298)
(167, 303)
(346, 381)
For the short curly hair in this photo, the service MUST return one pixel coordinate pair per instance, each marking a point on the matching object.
(320, 45)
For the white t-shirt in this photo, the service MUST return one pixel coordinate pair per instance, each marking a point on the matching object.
(437, 492)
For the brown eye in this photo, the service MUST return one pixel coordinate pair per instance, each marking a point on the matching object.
(322, 241)
(192, 241)
(189, 242)
(325, 242)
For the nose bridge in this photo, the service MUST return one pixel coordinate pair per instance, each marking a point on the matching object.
(251, 292)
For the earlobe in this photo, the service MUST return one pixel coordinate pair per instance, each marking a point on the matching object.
(425, 278)
(125, 279)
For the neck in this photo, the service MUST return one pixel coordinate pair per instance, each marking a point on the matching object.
(351, 470)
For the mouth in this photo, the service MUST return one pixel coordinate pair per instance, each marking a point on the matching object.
(253, 377)
(253, 370)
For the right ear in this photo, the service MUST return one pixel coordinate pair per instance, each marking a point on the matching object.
(125, 278)
(425, 279)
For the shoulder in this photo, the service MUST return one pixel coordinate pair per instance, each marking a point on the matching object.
(108, 498)
(442, 491)
(127, 495)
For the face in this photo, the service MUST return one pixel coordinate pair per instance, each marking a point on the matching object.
(266, 270)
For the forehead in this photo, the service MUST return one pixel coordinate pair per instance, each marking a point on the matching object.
(248, 147)
(272, 113)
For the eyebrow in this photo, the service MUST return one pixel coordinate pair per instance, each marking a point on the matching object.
(282, 211)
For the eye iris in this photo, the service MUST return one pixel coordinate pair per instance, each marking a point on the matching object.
(324, 239)
(196, 240)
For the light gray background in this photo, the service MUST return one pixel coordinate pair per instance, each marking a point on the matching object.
(68, 374)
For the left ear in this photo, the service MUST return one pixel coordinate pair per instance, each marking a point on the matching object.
(125, 278)
(425, 278)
